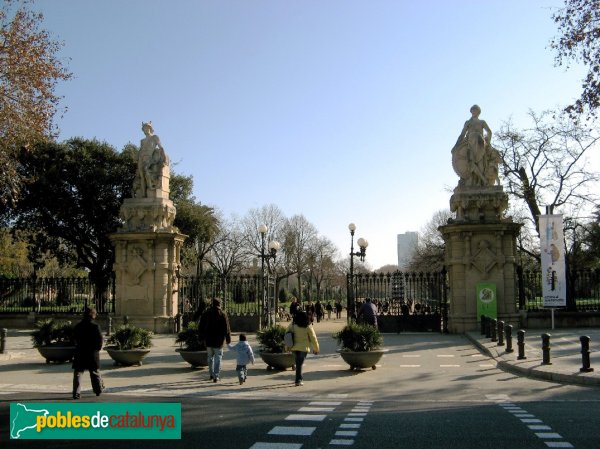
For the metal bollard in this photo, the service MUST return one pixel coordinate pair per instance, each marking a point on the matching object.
(546, 349)
(488, 327)
(500, 333)
(521, 344)
(585, 355)
(508, 331)
(109, 327)
(483, 318)
(3, 333)
(493, 329)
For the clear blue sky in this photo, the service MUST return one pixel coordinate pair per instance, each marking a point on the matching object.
(341, 110)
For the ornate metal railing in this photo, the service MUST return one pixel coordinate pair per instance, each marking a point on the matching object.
(583, 290)
(53, 295)
(403, 292)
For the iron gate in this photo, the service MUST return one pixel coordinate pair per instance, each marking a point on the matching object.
(406, 301)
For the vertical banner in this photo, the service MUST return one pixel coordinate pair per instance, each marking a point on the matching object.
(552, 250)
(486, 300)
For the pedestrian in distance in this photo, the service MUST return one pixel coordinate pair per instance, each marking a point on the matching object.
(294, 307)
(244, 355)
(305, 339)
(329, 309)
(338, 309)
(88, 342)
(368, 313)
(214, 329)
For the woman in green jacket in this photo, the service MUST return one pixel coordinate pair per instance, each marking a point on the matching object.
(305, 339)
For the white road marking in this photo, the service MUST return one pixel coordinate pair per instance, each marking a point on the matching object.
(349, 426)
(261, 445)
(549, 435)
(352, 419)
(316, 409)
(539, 427)
(296, 430)
(341, 442)
(325, 403)
(410, 366)
(558, 444)
(346, 433)
(303, 417)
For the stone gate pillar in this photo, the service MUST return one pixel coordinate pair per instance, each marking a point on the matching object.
(148, 246)
(481, 241)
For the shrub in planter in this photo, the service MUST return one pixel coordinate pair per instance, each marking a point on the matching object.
(128, 345)
(272, 348)
(359, 338)
(360, 345)
(192, 347)
(271, 339)
(54, 340)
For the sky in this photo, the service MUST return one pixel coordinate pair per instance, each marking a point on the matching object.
(340, 110)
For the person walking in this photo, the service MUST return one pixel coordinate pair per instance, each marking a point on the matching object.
(214, 329)
(244, 355)
(294, 306)
(338, 309)
(329, 309)
(305, 339)
(368, 313)
(88, 342)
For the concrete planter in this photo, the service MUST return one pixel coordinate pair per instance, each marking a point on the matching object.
(127, 357)
(57, 354)
(194, 358)
(362, 360)
(279, 361)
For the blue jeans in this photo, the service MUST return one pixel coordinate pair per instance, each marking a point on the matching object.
(242, 372)
(214, 361)
(300, 356)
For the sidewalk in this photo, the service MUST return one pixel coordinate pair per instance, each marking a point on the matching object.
(23, 369)
(565, 355)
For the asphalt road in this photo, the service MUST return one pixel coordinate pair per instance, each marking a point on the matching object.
(440, 393)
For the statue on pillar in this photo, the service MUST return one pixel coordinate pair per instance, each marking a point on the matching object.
(151, 160)
(473, 157)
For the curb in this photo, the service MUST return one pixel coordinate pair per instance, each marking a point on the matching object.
(534, 372)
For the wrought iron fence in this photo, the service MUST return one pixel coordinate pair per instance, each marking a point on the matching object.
(403, 292)
(53, 295)
(239, 295)
(583, 290)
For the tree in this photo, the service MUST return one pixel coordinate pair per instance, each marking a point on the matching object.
(320, 262)
(579, 28)
(71, 200)
(547, 164)
(429, 253)
(29, 73)
(298, 234)
(199, 222)
(227, 254)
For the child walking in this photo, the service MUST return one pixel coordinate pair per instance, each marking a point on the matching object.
(244, 355)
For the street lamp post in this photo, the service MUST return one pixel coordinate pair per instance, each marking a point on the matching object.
(274, 246)
(362, 243)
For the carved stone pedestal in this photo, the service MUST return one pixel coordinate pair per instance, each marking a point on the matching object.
(480, 248)
(146, 265)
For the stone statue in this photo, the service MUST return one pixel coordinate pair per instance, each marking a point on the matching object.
(473, 157)
(151, 160)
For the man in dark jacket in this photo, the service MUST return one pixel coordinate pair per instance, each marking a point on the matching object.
(88, 342)
(214, 327)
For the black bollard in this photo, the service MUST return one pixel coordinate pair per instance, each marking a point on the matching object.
(500, 333)
(488, 327)
(109, 326)
(585, 355)
(521, 344)
(482, 324)
(3, 333)
(546, 349)
(508, 331)
(493, 329)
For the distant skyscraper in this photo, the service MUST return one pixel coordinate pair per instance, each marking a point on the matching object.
(407, 244)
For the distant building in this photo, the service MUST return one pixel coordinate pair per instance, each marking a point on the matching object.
(407, 244)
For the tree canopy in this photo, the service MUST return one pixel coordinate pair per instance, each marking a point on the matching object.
(579, 41)
(71, 199)
(29, 72)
